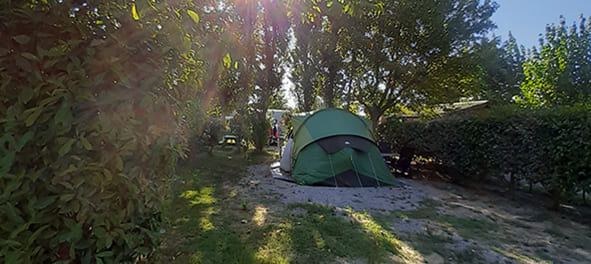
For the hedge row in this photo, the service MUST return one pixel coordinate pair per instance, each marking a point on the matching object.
(551, 147)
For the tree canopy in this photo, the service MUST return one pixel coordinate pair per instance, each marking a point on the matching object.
(560, 72)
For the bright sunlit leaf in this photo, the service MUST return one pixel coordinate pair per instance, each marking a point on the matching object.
(227, 60)
(134, 13)
(329, 4)
(194, 16)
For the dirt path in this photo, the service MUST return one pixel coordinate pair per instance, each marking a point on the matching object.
(445, 223)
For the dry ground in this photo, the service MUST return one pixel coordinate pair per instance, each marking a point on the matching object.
(441, 222)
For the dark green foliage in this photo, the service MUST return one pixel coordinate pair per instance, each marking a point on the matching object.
(550, 147)
(501, 64)
(89, 131)
(211, 133)
(260, 130)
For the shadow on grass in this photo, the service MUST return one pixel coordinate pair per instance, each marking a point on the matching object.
(208, 223)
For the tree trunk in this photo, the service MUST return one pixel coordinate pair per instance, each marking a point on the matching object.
(374, 115)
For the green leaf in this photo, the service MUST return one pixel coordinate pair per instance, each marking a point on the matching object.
(73, 235)
(12, 186)
(36, 234)
(134, 13)
(67, 197)
(35, 112)
(30, 56)
(26, 94)
(227, 60)
(44, 202)
(24, 139)
(105, 254)
(21, 39)
(64, 115)
(13, 257)
(9, 243)
(118, 162)
(66, 147)
(85, 143)
(193, 15)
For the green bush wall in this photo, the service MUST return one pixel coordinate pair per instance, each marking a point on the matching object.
(550, 146)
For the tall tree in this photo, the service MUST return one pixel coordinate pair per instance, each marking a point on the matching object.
(560, 73)
(274, 26)
(501, 65)
(316, 62)
(414, 52)
(330, 71)
(303, 59)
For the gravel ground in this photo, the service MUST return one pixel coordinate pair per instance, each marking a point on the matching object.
(525, 233)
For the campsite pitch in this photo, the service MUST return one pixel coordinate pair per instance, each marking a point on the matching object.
(233, 211)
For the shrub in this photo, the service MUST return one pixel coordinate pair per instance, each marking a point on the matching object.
(88, 133)
(550, 147)
(212, 133)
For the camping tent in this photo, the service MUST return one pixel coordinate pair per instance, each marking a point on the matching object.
(336, 148)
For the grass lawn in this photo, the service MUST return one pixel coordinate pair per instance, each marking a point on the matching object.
(220, 212)
(208, 222)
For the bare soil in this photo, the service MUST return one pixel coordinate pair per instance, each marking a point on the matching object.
(447, 223)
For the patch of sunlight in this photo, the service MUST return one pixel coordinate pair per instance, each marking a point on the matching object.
(406, 252)
(233, 193)
(260, 215)
(201, 196)
(278, 247)
(204, 222)
(520, 257)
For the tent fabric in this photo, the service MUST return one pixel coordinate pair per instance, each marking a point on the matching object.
(310, 127)
(336, 148)
(334, 144)
(285, 162)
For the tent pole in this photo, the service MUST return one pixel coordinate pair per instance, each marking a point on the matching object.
(333, 175)
(355, 169)
(373, 169)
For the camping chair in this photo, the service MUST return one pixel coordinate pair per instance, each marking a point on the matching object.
(402, 166)
(386, 152)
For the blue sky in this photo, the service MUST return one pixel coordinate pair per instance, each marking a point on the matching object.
(526, 19)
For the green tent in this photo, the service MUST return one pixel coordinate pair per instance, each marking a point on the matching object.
(336, 148)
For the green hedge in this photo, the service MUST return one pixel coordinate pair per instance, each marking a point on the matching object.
(551, 147)
(88, 134)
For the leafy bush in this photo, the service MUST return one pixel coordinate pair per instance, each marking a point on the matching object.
(212, 133)
(88, 132)
(550, 147)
